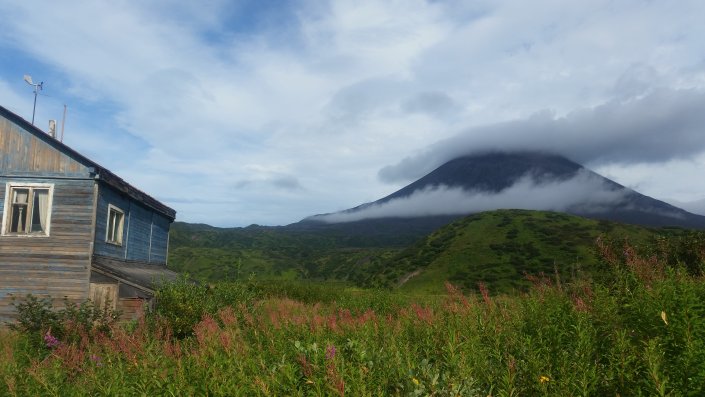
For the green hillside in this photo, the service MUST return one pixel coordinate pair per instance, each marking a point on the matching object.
(498, 248)
(216, 254)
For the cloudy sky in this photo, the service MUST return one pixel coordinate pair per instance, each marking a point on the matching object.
(241, 112)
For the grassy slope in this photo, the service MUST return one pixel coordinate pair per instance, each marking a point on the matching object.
(496, 248)
(499, 247)
(216, 254)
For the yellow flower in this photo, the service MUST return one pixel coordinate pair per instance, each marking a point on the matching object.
(544, 379)
(663, 317)
(416, 381)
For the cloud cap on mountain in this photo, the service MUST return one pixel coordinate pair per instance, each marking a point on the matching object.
(656, 126)
(585, 191)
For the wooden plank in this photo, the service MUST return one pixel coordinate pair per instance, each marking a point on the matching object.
(25, 153)
(131, 308)
(57, 265)
(104, 295)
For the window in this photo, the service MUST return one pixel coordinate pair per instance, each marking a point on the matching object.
(27, 209)
(116, 219)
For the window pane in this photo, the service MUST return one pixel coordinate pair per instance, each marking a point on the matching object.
(111, 226)
(114, 229)
(40, 210)
(18, 215)
(20, 196)
(18, 221)
(29, 210)
(118, 228)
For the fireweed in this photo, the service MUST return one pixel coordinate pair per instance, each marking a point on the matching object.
(642, 331)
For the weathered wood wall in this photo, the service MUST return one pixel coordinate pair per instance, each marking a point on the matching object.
(108, 196)
(138, 238)
(131, 308)
(104, 295)
(55, 266)
(160, 238)
(130, 302)
(145, 231)
(26, 154)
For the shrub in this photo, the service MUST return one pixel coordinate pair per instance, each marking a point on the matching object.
(183, 303)
(46, 326)
(35, 315)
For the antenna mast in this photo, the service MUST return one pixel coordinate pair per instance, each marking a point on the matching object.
(63, 123)
(37, 88)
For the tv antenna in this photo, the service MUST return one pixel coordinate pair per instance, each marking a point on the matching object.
(37, 88)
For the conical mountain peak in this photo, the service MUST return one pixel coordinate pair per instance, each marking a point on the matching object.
(523, 180)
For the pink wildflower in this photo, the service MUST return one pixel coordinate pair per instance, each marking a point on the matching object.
(330, 352)
(50, 340)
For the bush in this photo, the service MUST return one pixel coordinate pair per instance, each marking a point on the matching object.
(35, 315)
(46, 326)
(183, 303)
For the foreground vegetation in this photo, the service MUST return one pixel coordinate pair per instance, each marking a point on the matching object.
(640, 330)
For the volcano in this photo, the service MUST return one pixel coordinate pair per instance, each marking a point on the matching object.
(489, 181)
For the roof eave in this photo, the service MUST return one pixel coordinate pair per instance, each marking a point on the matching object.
(102, 173)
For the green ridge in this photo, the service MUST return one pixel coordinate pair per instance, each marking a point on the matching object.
(497, 248)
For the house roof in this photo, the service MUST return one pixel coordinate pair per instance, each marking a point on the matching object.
(143, 275)
(102, 173)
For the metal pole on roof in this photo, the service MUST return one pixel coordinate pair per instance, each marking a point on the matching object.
(63, 123)
(37, 88)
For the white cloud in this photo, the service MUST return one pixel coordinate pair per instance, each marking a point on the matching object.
(190, 99)
(695, 207)
(585, 192)
(657, 127)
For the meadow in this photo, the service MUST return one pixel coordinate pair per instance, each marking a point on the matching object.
(638, 330)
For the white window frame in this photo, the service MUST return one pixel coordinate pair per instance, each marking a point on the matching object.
(9, 187)
(121, 227)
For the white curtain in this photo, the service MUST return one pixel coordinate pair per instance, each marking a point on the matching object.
(21, 198)
(43, 199)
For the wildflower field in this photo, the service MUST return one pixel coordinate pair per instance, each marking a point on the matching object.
(638, 331)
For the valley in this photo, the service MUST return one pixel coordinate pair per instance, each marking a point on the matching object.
(492, 218)
(497, 248)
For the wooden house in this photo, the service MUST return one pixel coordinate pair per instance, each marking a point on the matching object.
(72, 229)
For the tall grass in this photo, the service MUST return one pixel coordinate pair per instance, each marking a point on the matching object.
(641, 331)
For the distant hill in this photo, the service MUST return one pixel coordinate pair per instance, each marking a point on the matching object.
(526, 180)
(498, 247)
(210, 253)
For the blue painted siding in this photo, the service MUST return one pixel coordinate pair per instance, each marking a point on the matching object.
(107, 196)
(160, 238)
(138, 236)
(144, 232)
